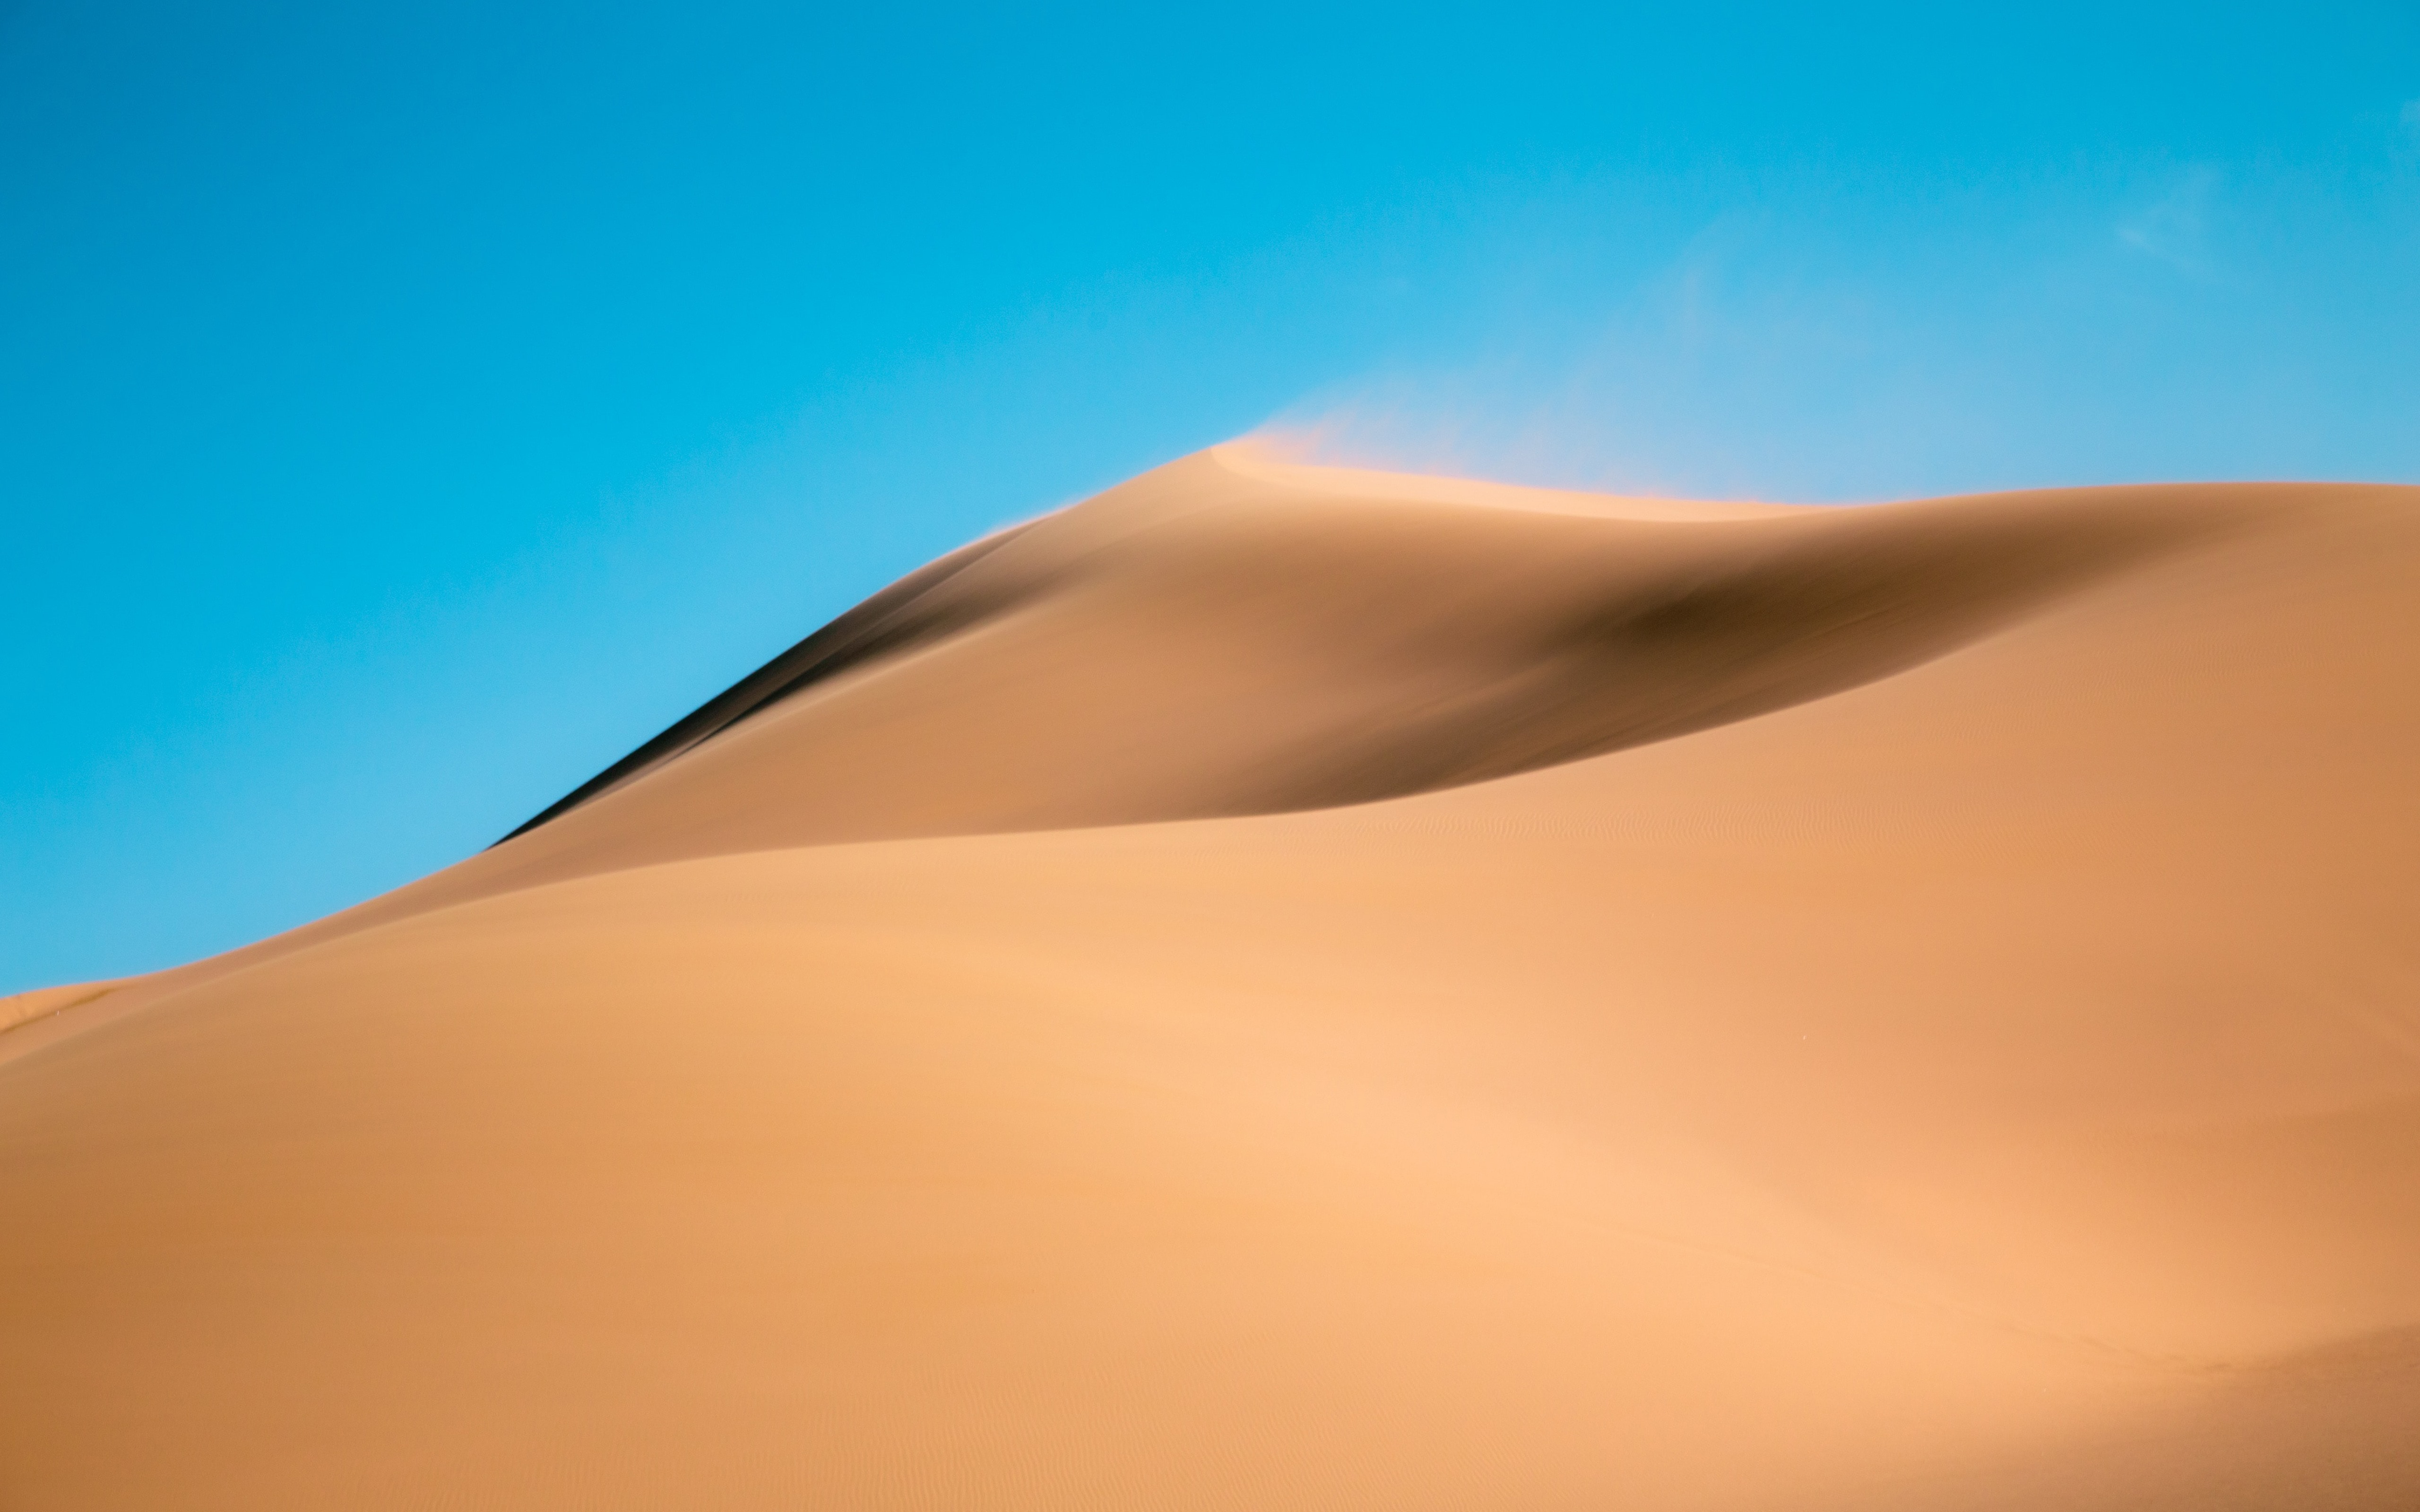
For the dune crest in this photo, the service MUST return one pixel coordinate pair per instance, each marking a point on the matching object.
(1291, 987)
(1233, 635)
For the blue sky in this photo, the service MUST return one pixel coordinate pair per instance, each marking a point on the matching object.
(405, 410)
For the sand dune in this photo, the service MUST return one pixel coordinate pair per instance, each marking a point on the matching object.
(1286, 987)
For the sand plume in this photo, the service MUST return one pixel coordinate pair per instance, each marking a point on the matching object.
(1286, 987)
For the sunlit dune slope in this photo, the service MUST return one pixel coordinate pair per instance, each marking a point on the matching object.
(1223, 637)
(1277, 987)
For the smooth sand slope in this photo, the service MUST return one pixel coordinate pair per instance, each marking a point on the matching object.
(1282, 988)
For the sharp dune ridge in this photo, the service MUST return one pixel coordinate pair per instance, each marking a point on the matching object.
(899, 617)
(1412, 643)
(1281, 986)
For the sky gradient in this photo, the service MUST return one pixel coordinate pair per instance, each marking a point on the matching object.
(405, 410)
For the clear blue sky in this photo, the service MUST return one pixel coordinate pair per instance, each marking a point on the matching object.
(405, 410)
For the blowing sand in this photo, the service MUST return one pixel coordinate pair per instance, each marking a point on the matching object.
(1280, 988)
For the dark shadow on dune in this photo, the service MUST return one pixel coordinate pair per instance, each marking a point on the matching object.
(1584, 639)
(903, 615)
(1843, 602)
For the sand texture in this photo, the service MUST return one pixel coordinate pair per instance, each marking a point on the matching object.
(1286, 988)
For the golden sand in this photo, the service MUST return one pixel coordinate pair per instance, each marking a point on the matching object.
(1279, 987)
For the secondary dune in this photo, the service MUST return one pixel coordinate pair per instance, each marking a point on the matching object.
(1285, 987)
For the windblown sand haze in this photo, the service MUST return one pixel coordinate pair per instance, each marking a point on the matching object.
(1281, 987)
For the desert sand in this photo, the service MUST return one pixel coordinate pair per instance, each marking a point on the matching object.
(1281, 987)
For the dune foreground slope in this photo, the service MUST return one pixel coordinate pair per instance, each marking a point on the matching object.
(1291, 988)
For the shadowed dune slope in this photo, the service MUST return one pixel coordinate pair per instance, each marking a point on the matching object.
(1281, 987)
(1229, 635)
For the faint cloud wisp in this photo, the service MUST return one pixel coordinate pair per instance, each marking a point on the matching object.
(2174, 229)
